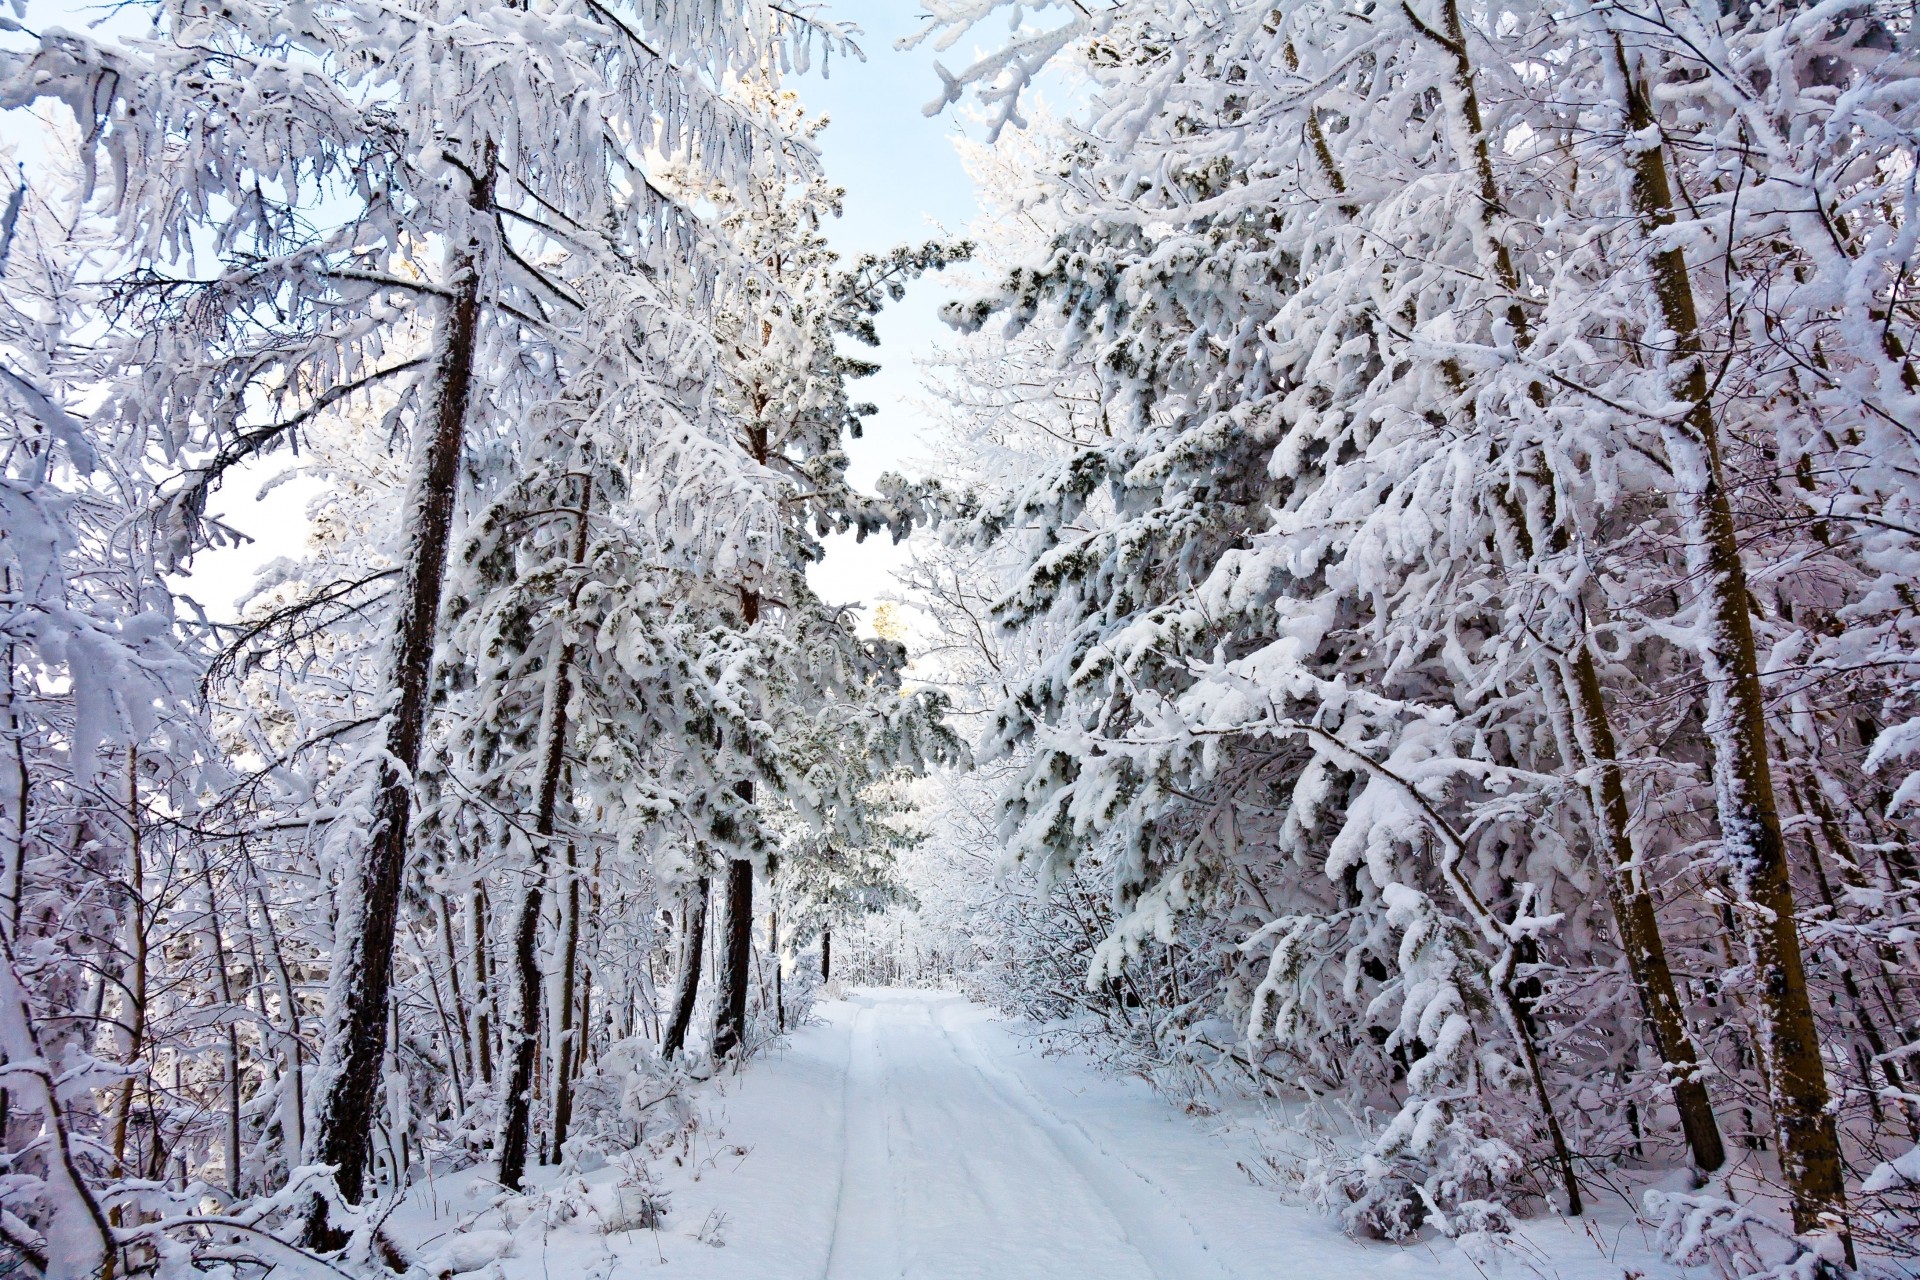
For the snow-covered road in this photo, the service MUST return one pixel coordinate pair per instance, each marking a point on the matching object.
(952, 1166)
(912, 1134)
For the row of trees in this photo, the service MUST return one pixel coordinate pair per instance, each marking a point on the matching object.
(1448, 472)
(383, 873)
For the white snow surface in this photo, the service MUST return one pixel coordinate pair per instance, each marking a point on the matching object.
(914, 1134)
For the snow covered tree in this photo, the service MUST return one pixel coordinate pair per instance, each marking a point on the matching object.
(1395, 605)
(788, 387)
(451, 252)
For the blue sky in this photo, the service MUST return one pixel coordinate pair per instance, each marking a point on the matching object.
(904, 182)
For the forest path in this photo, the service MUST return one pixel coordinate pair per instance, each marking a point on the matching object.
(952, 1167)
(913, 1135)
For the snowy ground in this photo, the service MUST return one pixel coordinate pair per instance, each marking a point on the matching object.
(911, 1134)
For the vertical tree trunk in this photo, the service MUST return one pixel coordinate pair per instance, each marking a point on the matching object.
(1639, 927)
(566, 1051)
(369, 899)
(730, 1018)
(826, 956)
(293, 1102)
(232, 1063)
(456, 1059)
(516, 1127)
(1875, 1050)
(1632, 904)
(773, 946)
(477, 930)
(1743, 780)
(736, 955)
(135, 993)
(462, 1017)
(686, 982)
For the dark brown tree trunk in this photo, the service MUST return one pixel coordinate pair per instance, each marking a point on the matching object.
(730, 1018)
(736, 954)
(568, 1054)
(826, 956)
(516, 1127)
(1632, 906)
(482, 987)
(1743, 779)
(370, 902)
(773, 945)
(686, 982)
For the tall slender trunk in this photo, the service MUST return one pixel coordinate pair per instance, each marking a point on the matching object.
(456, 1061)
(686, 981)
(137, 985)
(1633, 914)
(1474, 151)
(136, 995)
(218, 938)
(369, 901)
(516, 1127)
(566, 1051)
(773, 946)
(477, 930)
(1737, 720)
(1875, 1050)
(463, 1027)
(826, 956)
(730, 1018)
(1628, 895)
(293, 1102)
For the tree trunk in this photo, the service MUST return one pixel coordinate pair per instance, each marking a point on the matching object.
(232, 1073)
(516, 1126)
(135, 994)
(462, 1018)
(1639, 927)
(293, 1108)
(686, 982)
(772, 945)
(477, 927)
(736, 955)
(826, 956)
(1743, 781)
(730, 1018)
(1632, 905)
(369, 901)
(567, 1053)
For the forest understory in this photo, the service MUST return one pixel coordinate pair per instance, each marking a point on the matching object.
(1403, 699)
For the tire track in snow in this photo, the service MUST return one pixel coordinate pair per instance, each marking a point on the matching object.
(865, 1228)
(1001, 1181)
(1153, 1223)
